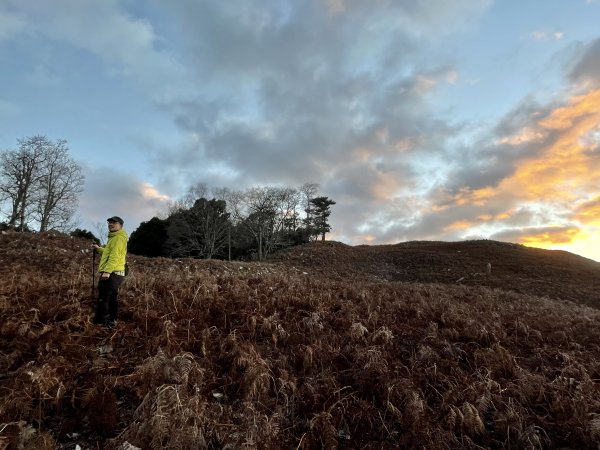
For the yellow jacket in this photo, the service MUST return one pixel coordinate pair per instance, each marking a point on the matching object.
(114, 252)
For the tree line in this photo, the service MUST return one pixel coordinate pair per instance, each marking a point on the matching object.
(235, 224)
(40, 186)
(40, 183)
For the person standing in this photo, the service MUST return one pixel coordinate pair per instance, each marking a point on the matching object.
(112, 272)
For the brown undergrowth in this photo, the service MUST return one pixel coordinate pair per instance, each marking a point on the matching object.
(553, 273)
(210, 354)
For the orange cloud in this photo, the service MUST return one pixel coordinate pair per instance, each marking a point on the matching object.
(459, 225)
(150, 192)
(589, 212)
(560, 180)
(503, 216)
(550, 238)
(565, 170)
(564, 173)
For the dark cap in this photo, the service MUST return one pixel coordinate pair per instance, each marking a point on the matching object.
(115, 219)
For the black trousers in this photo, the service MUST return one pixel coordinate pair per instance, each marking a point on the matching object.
(108, 299)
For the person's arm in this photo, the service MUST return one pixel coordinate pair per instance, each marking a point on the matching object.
(100, 250)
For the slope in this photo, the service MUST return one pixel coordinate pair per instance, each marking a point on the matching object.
(556, 274)
(211, 354)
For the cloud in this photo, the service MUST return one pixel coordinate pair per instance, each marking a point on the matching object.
(540, 236)
(338, 93)
(531, 179)
(566, 170)
(542, 35)
(111, 192)
(586, 68)
(544, 170)
(287, 91)
(588, 212)
(127, 45)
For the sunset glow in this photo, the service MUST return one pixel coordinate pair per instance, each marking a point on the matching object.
(428, 120)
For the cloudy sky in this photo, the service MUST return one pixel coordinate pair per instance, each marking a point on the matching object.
(422, 119)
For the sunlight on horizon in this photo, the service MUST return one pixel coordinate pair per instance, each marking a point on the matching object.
(588, 248)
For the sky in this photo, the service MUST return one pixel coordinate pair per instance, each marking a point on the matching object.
(422, 119)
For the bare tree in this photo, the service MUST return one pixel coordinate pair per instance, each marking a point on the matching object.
(101, 231)
(41, 182)
(59, 185)
(265, 212)
(253, 209)
(290, 202)
(308, 191)
(19, 176)
(285, 202)
(200, 231)
(195, 192)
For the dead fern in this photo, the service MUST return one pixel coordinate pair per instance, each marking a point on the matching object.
(323, 434)
(358, 331)
(471, 419)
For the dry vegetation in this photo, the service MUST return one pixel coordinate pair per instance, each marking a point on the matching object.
(324, 348)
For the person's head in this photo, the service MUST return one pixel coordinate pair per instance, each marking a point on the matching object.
(115, 223)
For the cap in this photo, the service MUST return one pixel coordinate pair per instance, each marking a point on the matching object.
(115, 219)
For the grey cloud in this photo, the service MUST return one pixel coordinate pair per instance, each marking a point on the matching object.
(315, 106)
(406, 221)
(522, 217)
(111, 192)
(587, 65)
(288, 93)
(320, 88)
(489, 160)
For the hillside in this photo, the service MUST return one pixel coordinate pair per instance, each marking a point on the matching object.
(552, 273)
(324, 347)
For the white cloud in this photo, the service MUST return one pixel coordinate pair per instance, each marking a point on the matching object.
(127, 45)
(542, 35)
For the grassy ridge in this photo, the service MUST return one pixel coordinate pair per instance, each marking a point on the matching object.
(211, 354)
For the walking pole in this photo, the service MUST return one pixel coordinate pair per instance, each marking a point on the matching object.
(93, 270)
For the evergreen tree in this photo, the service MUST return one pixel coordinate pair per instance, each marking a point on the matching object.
(149, 238)
(321, 212)
(84, 234)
